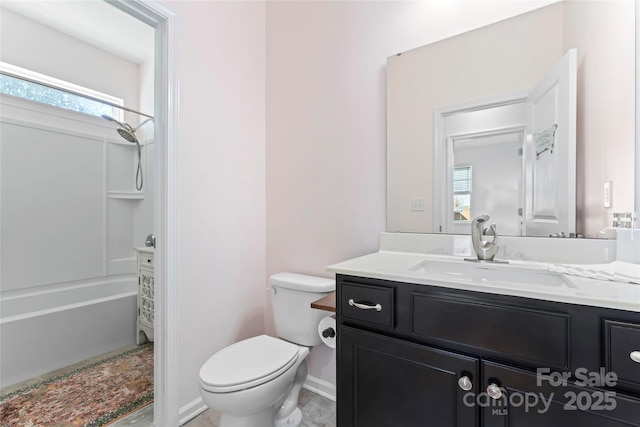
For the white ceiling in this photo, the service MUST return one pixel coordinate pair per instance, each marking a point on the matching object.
(95, 22)
(100, 24)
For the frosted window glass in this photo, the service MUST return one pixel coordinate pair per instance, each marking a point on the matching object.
(54, 97)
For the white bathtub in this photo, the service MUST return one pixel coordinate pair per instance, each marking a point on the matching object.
(47, 330)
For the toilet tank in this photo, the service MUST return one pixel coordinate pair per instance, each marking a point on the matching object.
(294, 318)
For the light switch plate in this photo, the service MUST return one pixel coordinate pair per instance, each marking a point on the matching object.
(417, 205)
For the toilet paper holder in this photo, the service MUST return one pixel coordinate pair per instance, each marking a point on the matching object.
(329, 332)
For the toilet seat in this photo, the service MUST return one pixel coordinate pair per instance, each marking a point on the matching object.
(248, 363)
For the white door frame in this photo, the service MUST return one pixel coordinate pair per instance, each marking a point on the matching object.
(165, 22)
(443, 154)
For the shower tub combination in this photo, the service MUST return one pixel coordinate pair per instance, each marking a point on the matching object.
(69, 274)
(44, 331)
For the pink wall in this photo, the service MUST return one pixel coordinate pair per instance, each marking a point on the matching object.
(325, 141)
(222, 183)
(326, 131)
(606, 107)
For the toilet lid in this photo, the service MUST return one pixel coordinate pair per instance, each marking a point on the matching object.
(247, 363)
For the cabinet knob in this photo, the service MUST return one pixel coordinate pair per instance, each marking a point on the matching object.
(465, 383)
(362, 306)
(635, 356)
(494, 391)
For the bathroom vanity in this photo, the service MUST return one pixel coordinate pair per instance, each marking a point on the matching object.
(478, 347)
(145, 295)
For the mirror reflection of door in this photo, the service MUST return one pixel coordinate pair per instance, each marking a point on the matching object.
(550, 151)
(511, 158)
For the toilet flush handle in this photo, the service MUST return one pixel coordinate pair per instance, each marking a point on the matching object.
(273, 290)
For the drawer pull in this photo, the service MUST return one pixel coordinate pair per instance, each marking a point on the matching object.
(361, 306)
(635, 356)
(465, 383)
(494, 391)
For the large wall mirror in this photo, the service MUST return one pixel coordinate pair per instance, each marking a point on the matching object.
(461, 140)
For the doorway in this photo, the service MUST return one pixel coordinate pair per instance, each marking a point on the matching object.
(163, 23)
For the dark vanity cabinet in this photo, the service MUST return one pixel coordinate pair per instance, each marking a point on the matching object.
(418, 355)
(395, 382)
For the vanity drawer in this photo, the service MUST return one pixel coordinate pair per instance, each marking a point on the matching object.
(622, 346)
(373, 305)
(533, 337)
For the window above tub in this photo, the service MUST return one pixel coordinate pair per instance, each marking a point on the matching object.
(33, 86)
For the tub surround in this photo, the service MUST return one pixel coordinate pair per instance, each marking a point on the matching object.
(401, 256)
(64, 326)
(68, 285)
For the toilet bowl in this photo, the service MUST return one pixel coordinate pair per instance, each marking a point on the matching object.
(248, 382)
(256, 382)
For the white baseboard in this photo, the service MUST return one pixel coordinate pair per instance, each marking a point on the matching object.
(191, 410)
(321, 387)
(313, 384)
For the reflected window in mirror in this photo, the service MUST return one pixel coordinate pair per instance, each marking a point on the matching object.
(462, 194)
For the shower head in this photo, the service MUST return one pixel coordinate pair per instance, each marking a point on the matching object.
(127, 134)
(126, 130)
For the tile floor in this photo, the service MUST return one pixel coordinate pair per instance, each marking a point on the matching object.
(317, 411)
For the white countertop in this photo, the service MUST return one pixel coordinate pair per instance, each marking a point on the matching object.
(405, 267)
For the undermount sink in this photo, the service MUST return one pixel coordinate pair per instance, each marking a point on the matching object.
(490, 273)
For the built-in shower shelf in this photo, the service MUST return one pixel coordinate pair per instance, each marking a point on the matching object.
(132, 195)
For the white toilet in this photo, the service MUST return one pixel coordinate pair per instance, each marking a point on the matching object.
(256, 382)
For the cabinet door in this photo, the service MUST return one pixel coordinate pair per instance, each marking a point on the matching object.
(385, 382)
(529, 401)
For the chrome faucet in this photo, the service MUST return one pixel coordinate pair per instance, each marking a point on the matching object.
(485, 250)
